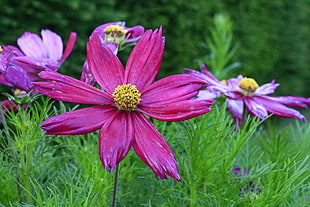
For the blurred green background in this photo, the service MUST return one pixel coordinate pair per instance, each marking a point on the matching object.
(273, 35)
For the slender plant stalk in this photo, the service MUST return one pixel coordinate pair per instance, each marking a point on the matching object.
(28, 168)
(115, 186)
(13, 152)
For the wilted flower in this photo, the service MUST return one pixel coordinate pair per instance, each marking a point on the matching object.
(113, 35)
(245, 92)
(127, 95)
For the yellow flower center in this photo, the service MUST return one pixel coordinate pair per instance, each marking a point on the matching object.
(126, 97)
(248, 86)
(114, 34)
(1, 49)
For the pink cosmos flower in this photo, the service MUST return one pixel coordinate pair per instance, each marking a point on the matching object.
(19, 67)
(245, 93)
(127, 95)
(113, 35)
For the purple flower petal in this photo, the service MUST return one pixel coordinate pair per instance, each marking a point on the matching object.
(236, 108)
(32, 45)
(53, 43)
(294, 101)
(279, 109)
(268, 88)
(255, 107)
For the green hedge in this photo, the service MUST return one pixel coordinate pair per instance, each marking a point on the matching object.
(273, 35)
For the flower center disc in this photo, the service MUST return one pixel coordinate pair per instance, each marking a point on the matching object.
(126, 97)
(114, 33)
(248, 86)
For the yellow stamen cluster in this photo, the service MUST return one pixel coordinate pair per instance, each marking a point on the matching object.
(1, 49)
(114, 34)
(18, 94)
(126, 97)
(248, 86)
(224, 82)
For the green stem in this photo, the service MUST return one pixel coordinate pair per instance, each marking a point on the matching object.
(12, 150)
(115, 186)
(28, 168)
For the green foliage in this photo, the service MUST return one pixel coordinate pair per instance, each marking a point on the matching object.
(273, 35)
(274, 42)
(221, 48)
(50, 170)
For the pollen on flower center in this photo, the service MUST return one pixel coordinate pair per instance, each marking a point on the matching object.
(114, 33)
(126, 97)
(1, 50)
(248, 86)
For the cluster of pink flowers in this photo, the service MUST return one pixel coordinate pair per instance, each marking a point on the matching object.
(128, 94)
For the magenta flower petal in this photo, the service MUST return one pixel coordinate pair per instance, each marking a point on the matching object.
(70, 89)
(18, 77)
(78, 122)
(106, 68)
(4, 81)
(268, 88)
(178, 111)
(255, 107)
(86, 75)
(205, 76)
(145, 59)
(295, 101)
(116, 138)
(69, 46)
(236, 108)
(134, 34)
(152, 148)
(7, 105)
(279, 109)
(233, 83)
(170, 89)
(36, 63)
(171, 95)
(53, 42)
(32, 45)
(208, 93)
(170, 82)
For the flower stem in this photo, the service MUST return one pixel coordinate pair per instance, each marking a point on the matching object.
(12, 150)
(115, 186)
(28, 170)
